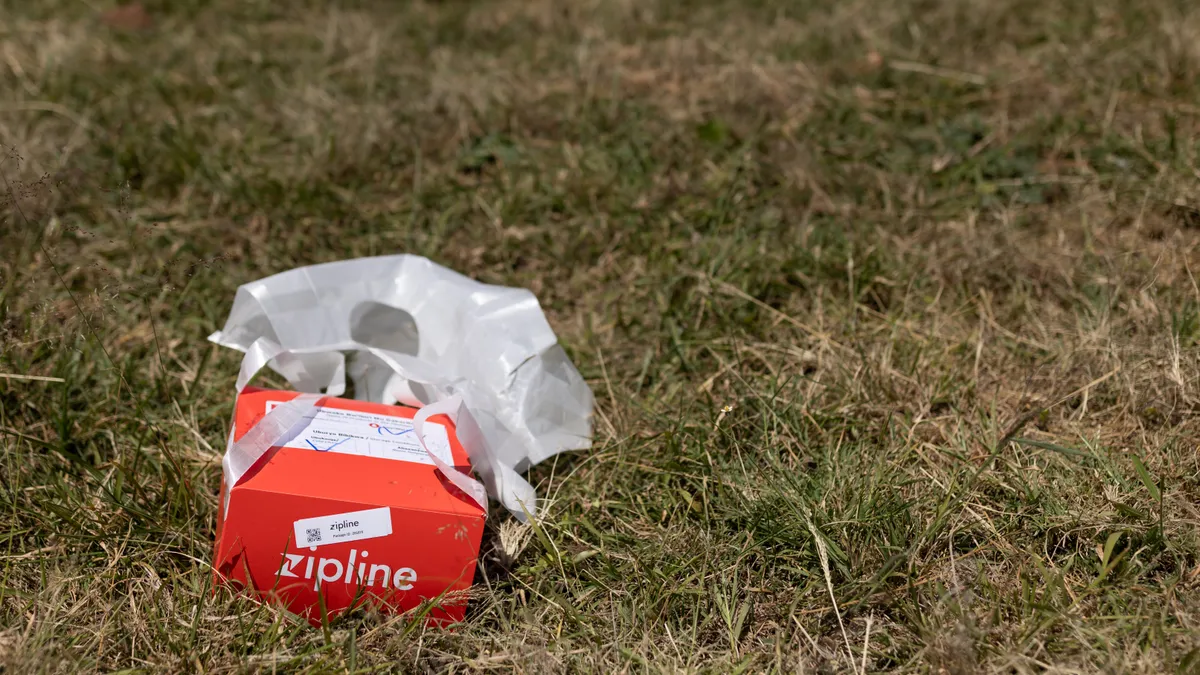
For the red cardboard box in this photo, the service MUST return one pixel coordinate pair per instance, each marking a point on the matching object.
(353, 509)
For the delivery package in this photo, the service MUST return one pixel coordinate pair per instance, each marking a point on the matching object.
(355, 508)
(327, 502)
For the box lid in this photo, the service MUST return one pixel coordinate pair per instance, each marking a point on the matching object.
(360, 452)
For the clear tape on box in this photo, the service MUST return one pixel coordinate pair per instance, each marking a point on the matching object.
(417, 334)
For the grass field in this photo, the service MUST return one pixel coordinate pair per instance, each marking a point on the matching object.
(890, 308)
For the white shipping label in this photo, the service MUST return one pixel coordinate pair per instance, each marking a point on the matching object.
(360, 433)
(343, 527)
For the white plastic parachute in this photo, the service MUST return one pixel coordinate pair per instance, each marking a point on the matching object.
(409, 331)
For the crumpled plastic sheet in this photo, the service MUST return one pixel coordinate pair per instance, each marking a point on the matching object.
(409, 331)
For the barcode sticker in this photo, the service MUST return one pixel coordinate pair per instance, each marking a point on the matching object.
(343, 527)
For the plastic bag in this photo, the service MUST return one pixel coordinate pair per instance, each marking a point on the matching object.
(417, 334)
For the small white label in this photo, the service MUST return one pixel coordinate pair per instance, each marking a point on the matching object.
(343, 527)
(353, 432)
